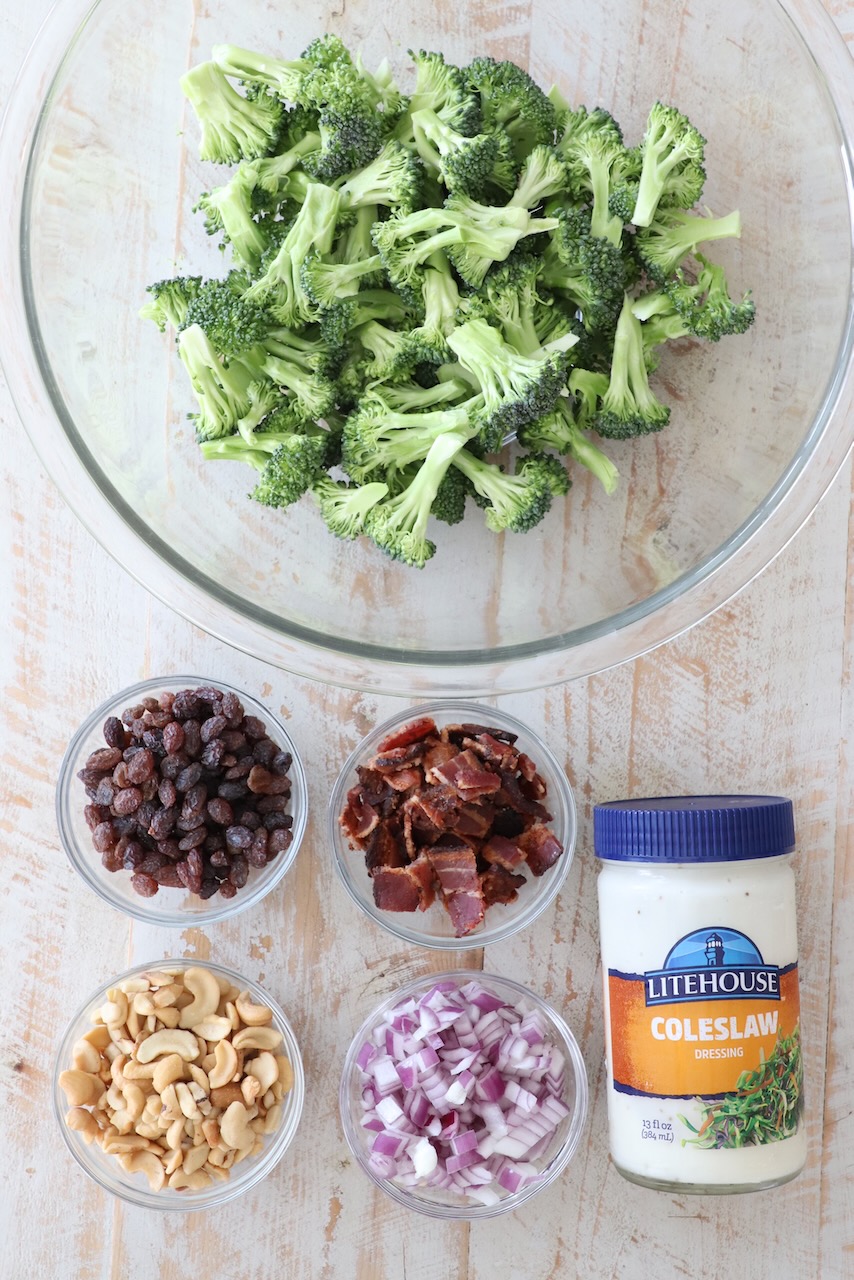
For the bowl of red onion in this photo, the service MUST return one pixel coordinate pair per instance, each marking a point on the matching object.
(463, 1095)
(452, 825)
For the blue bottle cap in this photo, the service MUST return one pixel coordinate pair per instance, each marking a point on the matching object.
(693, 828)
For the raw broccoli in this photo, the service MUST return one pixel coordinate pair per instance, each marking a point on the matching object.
(326, 283)
(285, 78)
(398, 524)
(232, 127)
(588, 269)
(706, 306)
(392, 352)
(462, 163)
(352, 131)
(587, 387)
(543, 175)
(440, 298)
(229, 210)
(311, 393)
(169, 301)
(378, 440)
(394, 178)
(409, 397)
(440, 87)
(290, 462)
(629, 407)
(345, 506)
(449, 505)
(597, 163)
(280, 287)
(672, 156)
(510, 99)
(516, 388)
(231, 321)
(673, 235)
(519, 501)
(221, 388)
(559, 431)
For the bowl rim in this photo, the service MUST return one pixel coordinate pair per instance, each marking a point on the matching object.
(552, 883)
(417, 672)
(556, 1166)
(219, 1193)
(162, 916)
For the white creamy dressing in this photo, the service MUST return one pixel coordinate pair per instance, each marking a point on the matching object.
(645, 910)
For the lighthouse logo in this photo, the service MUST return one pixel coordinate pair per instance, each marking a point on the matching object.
(712, 963)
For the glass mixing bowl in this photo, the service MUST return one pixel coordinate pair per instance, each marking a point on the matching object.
(101, 182)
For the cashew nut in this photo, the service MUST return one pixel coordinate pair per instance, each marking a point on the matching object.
(206, 996)
(99, 1036)
(187, 1102)
(257, 1038)
(225, 1060)
(146, 1162)
(85, 1057)
(200, 1078)
(264, 1068)
(213, 1028)
(226, 1094)
(254, 1015)
(210, 1129)
(169, 1017)
(168, 1041)
(167, 1071)
(115, 1143)
(251, 1089)
(175, 1134)
(234, 1127)
(143, 1004)
(81, 1088)
(173, 1161)
(114, 1011)
(195, 1157)
(166, 996)
(126, 1117)
(83, 1122)
(181, 1181)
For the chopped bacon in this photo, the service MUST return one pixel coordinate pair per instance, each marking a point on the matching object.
(358, 819)
(467, 776)
(405, 779)
(412, 732)
(498, 885)
(395, 889)
(503, 852)
(385, 847)
(541, 848)
(454, 812)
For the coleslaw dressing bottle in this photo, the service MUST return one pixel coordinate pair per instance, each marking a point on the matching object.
(700, 967)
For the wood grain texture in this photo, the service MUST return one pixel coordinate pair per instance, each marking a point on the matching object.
(760, 696)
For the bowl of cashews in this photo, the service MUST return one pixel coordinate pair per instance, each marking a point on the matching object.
(178, 1086)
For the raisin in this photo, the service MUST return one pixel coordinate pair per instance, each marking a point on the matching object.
(95, 814)
(272, 804)
(208, 887)
(104, 760)
(185, 705)
(167, 876)
(235, 741)
(239, 872)
(213, 753)
(238, 837)
(232, 709)
(256, 854)
(212, 728)
(120, 775)
(173, 737)
(172, 766)
(232, 790)
(227, 889)
(170, 850)
(219, 858)
(145, 885)
(141, 767)
(152, 862)
(220, 812)
(167, 793)
(279, 841)
(238, 770)
(133, 855)
(263, 752)
(152, 740)
(111, 861)
(104, 837)
(166, 700)
(265, 783)
(249, 818)
(192, 738)
(127, 801)
(114, 733)
(253, 728)
(192, 839)
(163, 823)
(105, 792)
(188, 777)
(282, 762)
(277, 821)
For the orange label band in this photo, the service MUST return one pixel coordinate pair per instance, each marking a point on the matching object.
(690, 1046)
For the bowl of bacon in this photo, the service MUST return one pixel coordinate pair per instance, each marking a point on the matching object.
(452, 825)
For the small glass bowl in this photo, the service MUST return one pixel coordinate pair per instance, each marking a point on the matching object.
(169, 908)
(443, 1204)
(108, 1172)
(433, 928)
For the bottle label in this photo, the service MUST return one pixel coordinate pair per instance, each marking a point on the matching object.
(717, 1025)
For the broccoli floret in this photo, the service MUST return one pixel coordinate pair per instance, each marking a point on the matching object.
(511, 99)
(596, 160)
(392, 353)
(516, 388)
(311, 394)
(441, 299)
(221, 389)
(441, 87)
(706, 306)
(588, 268)
(409, 397)
(394, 179)
(629, 406)
(449, 505)
(587, 387)
(543, 175)
(379, 440)
(398, 524)
(520, 501)
(352, 130)
(285, 78)
(345, 506)
(232, 127)
(326, 283)
(672, 171)
(473, 235)
(560, 431)
(229, 210)
(673, 235)
(169, 301)
(290, 462)
(463, 163)
(232, 322)
(280, 287)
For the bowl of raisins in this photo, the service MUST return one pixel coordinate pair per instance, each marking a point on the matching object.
(181, 800)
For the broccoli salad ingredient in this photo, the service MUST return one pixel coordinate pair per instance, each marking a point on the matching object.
(456, 292)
